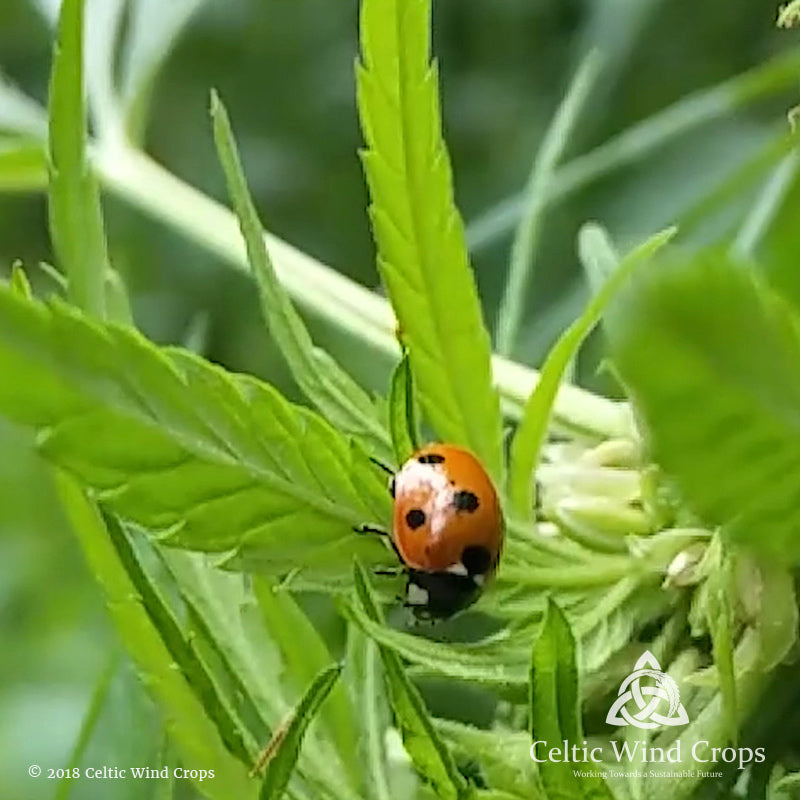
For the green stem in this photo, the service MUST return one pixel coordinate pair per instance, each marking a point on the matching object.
(143, 183)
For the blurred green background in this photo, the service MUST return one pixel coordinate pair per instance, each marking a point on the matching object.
(285, 70)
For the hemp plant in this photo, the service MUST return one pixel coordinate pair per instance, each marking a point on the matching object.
(205, 501)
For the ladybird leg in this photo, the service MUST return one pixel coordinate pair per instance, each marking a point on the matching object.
(392, 572)
(370, 529)
(388, 470)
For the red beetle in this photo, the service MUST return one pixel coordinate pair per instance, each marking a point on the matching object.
(447, 528)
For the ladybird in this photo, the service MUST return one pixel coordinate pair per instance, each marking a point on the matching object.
(447, 529)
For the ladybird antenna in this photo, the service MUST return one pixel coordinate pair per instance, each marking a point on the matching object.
(388, 470)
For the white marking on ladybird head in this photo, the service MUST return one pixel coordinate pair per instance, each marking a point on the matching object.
(479, 580)
(457, 569)
(428, 479)
(416, 595)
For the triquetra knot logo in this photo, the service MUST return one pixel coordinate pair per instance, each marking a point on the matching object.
(648, 698)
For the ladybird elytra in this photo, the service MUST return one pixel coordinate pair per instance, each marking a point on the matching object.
(447, 528)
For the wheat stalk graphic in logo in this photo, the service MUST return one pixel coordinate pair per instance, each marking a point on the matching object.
(646, 699)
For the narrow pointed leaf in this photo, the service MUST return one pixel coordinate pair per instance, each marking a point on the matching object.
(76, 224)
(287, 747)
(403, 422)
(337, 396)
(305, 653)
(422, 253)
(19, 282)
(555, 708)
(530, 436)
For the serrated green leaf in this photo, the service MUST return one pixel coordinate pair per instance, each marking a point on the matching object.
(76, 224)
(337, 396)
(287, 747)
(711, 357)
(195, 735)
(403, 422)
(530, 436)
(429, 755)
(23, 165)
(305, 654)
(212, 461)
(555, 707)
(422, 253)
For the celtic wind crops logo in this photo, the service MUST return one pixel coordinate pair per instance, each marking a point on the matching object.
(640, 700)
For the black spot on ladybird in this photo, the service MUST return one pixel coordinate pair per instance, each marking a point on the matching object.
(415, 518)
(465, 501)
(431, 458)
(476, 560)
